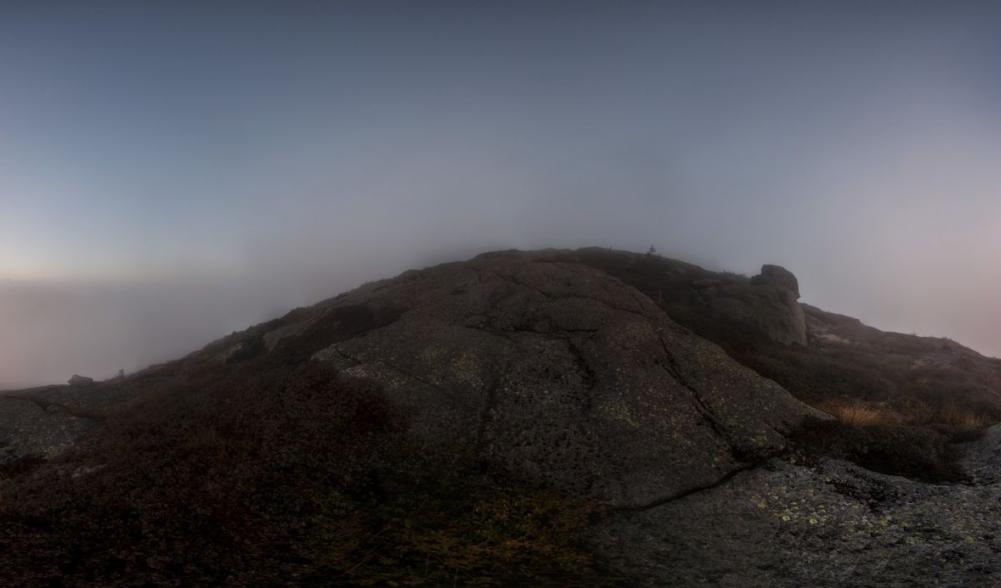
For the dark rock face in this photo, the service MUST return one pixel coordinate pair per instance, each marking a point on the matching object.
(78, 380)
(564, 375)
(765, 306)
(776, 309)
(778, 276)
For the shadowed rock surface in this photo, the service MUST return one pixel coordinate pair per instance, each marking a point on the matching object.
(888, 366)
(764, 305)
(759, 323)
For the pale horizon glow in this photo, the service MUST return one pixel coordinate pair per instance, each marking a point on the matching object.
(169, 174)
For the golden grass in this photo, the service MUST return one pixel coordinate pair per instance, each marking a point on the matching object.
(862, 414)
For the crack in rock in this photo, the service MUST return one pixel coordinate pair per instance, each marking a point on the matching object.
(717, 426)
(722, 480)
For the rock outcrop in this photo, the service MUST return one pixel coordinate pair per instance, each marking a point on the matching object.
(762, 307)
(776, 308)
(78, 380)
(561, 374)
(761, 324)
(521, 376)
(777, 276)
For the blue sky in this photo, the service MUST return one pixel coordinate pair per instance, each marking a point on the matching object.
(278, 152)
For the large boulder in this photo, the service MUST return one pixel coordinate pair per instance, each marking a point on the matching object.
(776, 308)
(78, 380)
(777, 276)
(558, 373)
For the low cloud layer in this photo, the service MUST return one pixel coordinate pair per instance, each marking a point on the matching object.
(55, 329)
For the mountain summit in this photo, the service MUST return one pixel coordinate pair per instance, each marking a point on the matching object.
(563, 417)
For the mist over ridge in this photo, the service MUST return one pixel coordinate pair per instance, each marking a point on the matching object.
(232, 163)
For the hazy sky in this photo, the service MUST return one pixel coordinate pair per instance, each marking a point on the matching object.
(170, 173)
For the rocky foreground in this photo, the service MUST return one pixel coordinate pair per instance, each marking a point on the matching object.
(518, 417)
(830, 524)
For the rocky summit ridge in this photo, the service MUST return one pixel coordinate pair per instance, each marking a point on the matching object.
(585, 416)
(564, 375)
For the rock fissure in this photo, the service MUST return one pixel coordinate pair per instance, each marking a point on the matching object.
(705, 412)
(721, 481)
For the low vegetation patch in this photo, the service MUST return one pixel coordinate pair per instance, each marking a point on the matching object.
(279, 476)
(915, 452)
(859, 414)
(957, 423)
(916, 440)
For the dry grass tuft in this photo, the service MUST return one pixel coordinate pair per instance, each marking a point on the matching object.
(860, 414)
(953, 419)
